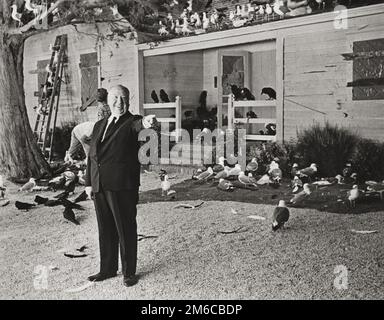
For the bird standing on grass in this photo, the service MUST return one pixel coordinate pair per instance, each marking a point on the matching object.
(353, 195)
(252, 166)
(309, 172)
(225, 185)
(301, 196)
(246, 180)
(205, 175)
(235, 171)
(165, 185)
(219, 166)
(280, 216)
(222, 174)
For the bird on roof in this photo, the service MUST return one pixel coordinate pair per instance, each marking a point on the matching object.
(301, 196)
(353, 195)
(16, 16)
(185, 29)
(162, 30)
(178, 28)
(276, 8)
(206, 21)
(225, 185)
(214, 18)
(29, 185)
(268, 9)
(271, 93)
(252, 166)
(276, 175)
(280, 216)
(261, 10)
(246, 180)
(164, 96)
(265, 179)
(321, 4)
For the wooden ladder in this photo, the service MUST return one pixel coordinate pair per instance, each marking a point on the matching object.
(49, 98)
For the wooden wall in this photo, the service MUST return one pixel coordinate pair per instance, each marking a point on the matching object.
(118, 66)
(316, 77)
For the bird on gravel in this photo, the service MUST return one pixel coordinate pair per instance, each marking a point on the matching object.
(301, 196)
(225, 185)
(353, 195)
(154, 97)
(70, 215)
(40, 200)
(24, 205)
(82, 197)
(29, 185)
(252, 166)
(280, 216)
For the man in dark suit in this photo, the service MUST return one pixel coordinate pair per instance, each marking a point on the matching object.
(112, 180)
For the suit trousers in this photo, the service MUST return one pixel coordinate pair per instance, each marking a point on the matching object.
(116, 218)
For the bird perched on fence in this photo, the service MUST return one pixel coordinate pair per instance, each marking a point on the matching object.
(236, 91)
(164, 96)
(154, 97)
(225, 185)
(246, 94)
(246, 180)
(301, 196)
(271, 93)
(280, 216)
(204, 175)
(24, 205)
(308, 172)
(29, 185)
(252, 166)
(353, 195)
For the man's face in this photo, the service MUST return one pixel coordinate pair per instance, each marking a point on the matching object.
(117, 101)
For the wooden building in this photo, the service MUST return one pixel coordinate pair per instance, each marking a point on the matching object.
(324, 67)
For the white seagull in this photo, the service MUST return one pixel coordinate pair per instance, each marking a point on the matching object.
(246, 180)
(353, 195)
(301, 196)
(235, 171)
(205, 175)
(165, 186)
(29, 185)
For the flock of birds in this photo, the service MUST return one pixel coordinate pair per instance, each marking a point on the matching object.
(189, 22)
(66, 182)
(303, 183)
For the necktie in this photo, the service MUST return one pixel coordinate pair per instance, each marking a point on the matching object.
(110, 127)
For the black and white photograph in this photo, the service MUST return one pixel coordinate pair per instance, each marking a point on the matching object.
(200, 151)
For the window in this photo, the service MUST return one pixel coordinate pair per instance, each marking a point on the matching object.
(368, 70)
(89, 78)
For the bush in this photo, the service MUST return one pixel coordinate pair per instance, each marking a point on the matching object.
(368, 160)
(329, 146)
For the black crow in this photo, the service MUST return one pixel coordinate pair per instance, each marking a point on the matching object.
(236, 91)
(164, 96)
(82, 197)
(271, 93)
(70, 215)
(24, 205)
(40, 200)
(154, 97)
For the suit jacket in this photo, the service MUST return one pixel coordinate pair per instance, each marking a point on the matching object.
(113, 163)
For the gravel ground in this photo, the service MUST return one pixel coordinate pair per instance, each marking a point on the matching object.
(191, 258)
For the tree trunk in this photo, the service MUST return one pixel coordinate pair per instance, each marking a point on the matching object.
(20, 156)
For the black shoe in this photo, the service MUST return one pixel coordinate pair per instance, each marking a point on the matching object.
(100, 277)
(130, 281)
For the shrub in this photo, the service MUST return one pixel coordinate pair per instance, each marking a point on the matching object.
(329, 146)
(368, 160)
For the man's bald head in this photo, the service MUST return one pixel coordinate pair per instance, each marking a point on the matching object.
(118, 100)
